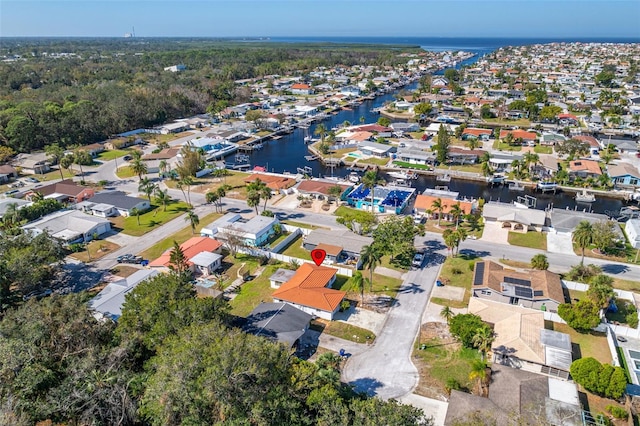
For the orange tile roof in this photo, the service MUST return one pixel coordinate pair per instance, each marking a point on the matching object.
(191, 248)
(476, 132)
(519, 134)
(425, 202)
(589, 166)
(318, 186)
(273, 182)
(300, 86)
(308, 288)
(361, 136)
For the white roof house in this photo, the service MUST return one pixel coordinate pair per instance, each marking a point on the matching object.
(6, 202)
(108, 303)
(255, 231)
(632, 228)
(70, 225)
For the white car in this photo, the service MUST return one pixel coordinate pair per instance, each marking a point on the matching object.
(418, 258)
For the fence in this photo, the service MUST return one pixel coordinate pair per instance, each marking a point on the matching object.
(284, 258)
(615, 361)
(284, 243)
(572, 285)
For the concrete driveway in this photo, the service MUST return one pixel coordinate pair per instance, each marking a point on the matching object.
(494, 232)
(559, 242)
(386, 370)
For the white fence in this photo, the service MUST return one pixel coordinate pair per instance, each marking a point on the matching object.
(621, 294)
(284, 258)
(282, 244)
(611, 341)
(550, 316)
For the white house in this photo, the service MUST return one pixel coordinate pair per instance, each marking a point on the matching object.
(255, 231)
(108, 303)
(632, 228)
(113, 203)
(70, 226)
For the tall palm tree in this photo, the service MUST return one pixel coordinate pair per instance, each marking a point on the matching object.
(321, 130)
(370, 257)
(483, 339)
(461, 235)
(439, 207)
(253, 199)
(357, 281)
(370, 180)
(456, 211)
(450, 239)
(136, 212)
(531, 159)
(447, 314)
(148, 187)
(266, 194)
(193, 220)
(66, 162)
(162, 197)
(187, 181)
(55, 153)
(180, 185)
(11, 215)
(212, 197)
(583, 236)
(138, 167)
(163, 167)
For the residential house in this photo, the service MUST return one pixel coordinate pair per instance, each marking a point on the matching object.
(527, 137)
(113, 203)
(254, 232)
(6, 202)
(108, 303)
(278, 322)
(375, 149)
(416, 156)
(401, 128)
(70, 226)
(567, 120)
(318, 188)
(514, 217)
(521, 340)
(309, 290)
(341, 246)
(65, 191)
(280, 276)
(386, 199)
(632, 228)
(624, 175)
(501, 162)
(93, 149)
(551, 139)
(175, 127)
(534, 398)
(464, 156)
(622, 145)
(546, 167)
(176, 68)
(33, 164)
(584, 168)
(594, 145)
(533, 289)
(7, 173)
(276, 183)
(424, 204)
(475, 133)
(202, 255)
(301, 89)
(567, 220)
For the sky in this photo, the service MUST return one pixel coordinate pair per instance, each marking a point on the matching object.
(322, 18)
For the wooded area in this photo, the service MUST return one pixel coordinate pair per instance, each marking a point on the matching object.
(76, 92)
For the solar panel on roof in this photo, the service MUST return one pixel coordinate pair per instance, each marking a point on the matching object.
(517, 281)
(523, 292)
(538, 293)
(477, 279)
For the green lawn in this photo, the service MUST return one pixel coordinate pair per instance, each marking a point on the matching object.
(301, 224)
(181, 236)
(54, 174)
(522, 122)
(501, 146)
(457, 272)
(252, 293)
(125, 172)
(374, 160)
(406, 165)
(442, 361)
(153, 218)
(279, 239)
(110, 155)
(386, 262)
(470, 168)
(539, 149)
(626, 285)
(381, 284)
(532, 239)
(590, 344)
(343, 331)
(295, 249)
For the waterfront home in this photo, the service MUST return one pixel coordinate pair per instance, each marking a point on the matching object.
(433, 128)
(65, 191)
(301, 89)
(113, 203)
(416, 156)
(547, 166)
(70, 226)
(550, 139)
(375, 149)
(277, 183)
(319, 188)
(309, 290)
(37, 163)
(501, 162)
(350, 91)
(386, 199)
(475, 133)
(464, 156)
(424, 205)
(108, 303)
(344, 245)
(515, 218)
(278, 322)
(255, 231)
(594, 145)
(624, 175)
(584, 168)
(213, 147)
(632, 229)
(203, 255)
(378, 130)
(541, 290)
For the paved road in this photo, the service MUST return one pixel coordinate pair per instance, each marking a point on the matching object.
(386, 370)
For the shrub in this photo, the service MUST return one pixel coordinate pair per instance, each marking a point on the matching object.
(632, 319)
(617, 412)
(456, 271)
(583, 273)
(582, 317)
(451, 384)
(604, 380)
(345, 305)
(464, 327)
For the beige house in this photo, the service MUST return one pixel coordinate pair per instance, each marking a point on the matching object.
(519, 219)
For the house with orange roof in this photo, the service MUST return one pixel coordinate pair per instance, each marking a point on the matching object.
(524, 135)
(319, 188)
(309, 290)
(424, 203)
(476, 133)
(301, 89)
(584, 168)
(202, 254)
(274, 182)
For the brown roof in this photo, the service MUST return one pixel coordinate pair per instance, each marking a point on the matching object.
(165, 154)
(6, 169)
(273, 182)
(320, 187)
(593, 142)
(330, 249)
(589, 166)
(425, 202)
(308, 288)
(546, 282)
(519, 134)
(66, 187)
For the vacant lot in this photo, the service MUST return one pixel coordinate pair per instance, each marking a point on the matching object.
(150, 220)
(457, 272)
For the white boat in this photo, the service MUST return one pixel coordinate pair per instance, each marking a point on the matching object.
(585, 197)
(443, 178)
(547, 186)
(354, 177)
(516, 186)
(402, 183)
(403, 175)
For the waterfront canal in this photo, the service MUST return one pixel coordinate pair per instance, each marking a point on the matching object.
(287, 154)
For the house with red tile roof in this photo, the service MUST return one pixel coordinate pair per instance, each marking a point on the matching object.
(202, 254)
(301, 89)
(526, 136)
(309, 290)
(274, 182)
(475, 133)
(319, 188)
(584, 168)
(425, 202)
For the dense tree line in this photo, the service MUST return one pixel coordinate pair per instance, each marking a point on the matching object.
(113, 86)
(171, 359)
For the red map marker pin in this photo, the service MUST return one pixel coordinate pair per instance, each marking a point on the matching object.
(318, 256)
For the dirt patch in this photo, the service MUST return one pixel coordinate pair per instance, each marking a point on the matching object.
(428, 385)
(374, 302)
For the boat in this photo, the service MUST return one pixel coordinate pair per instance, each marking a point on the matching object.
(354, 177)
(547, 186)
(516, 186)
(443, 178)
(241, 158)
(403, 175)
(308, 139)
(496, 179)
(585, 197)
(404, 183)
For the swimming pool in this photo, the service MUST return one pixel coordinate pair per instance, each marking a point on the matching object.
(354, 155)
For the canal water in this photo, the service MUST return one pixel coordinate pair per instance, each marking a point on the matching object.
(287, 154)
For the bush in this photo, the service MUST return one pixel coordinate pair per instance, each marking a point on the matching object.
(451, 384)
(632, 319)
(582, 317)
(604, 380)
(464, 327)
(345, 305)
(617, 412)
(583, 273)
(456, 271)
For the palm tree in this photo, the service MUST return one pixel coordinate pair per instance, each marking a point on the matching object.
(439, 207)
(540, 261)
(138, 167)
(370, 257)
(531, 159)
(583, 236)
(456, 211)
(321, 130)
(479, 373)
(162, 197)
(180, 186)
(212, 197)
(55, 153)
(449, 238)
(135, 212)
(253, 199)
(357, 282)
(11, 215)
(265, 193)
(81, 157)
(370, 180)
(163, 167)
(447, 314)
(335, 192)
(193, 220)
(483, 339)
(148, 187)
(461, 235)
(36, 196)
(486, 169)
(187, 181)
(66, 162)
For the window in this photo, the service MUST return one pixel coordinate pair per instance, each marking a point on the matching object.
(485, 292)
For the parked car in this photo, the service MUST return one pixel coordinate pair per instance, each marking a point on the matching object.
(32, 180)
(621, 339)
(127, 158)
(418, 258)
(129, 258)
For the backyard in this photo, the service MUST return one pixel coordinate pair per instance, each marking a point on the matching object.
(585, 344)
(502, 146)
(253, 292)
(150, 220)
(531, 239)
(343, 330)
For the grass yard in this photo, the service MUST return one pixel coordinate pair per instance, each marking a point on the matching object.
(125, 172)
(406, 165)
(157, 138)
(343, 151)
(382, 284)
(431, 225)
(252, 293)
(539, 149)
(590, 344)
(235, 180)
(626, 285)
(501, 146)
(301, 224)
(295, 249)
(97, 249)
(54, 174)
(469, 168)
(532, 239)
(386, 263)
(515, 263)
(374, 160)
(522, 122)
(110, 155)
(343, 330)
(457, 272)
(150, 220)
(181, 236)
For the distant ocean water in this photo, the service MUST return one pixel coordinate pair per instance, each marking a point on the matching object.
(479, 45)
